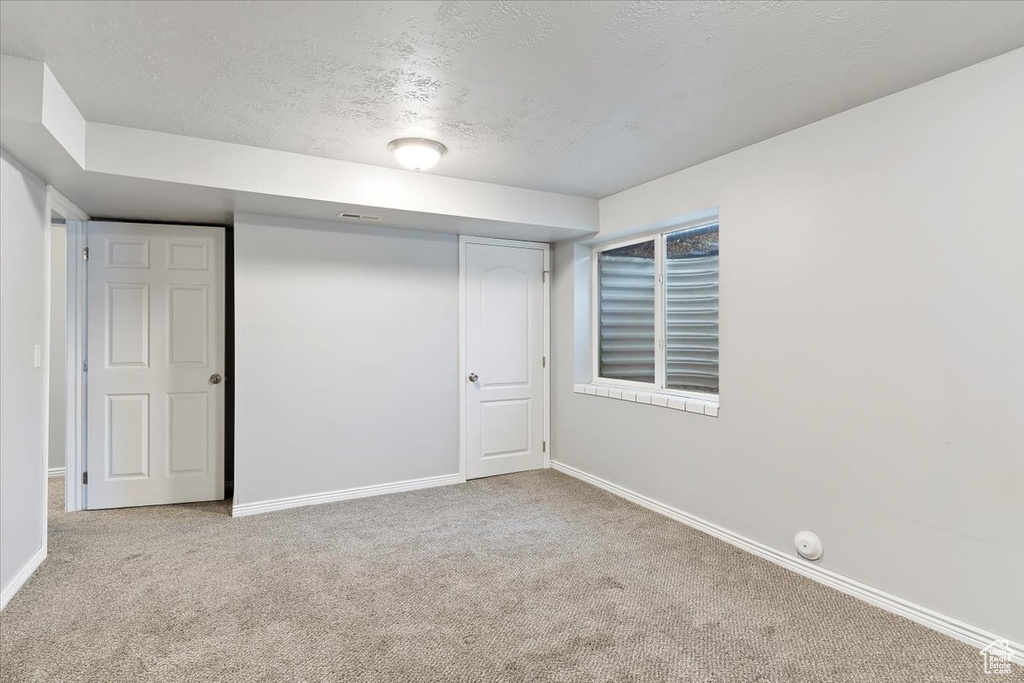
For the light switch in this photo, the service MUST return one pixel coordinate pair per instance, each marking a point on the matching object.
(37, 357)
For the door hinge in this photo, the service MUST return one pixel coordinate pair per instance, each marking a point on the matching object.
(543, 361)
(85, 366)
(544, 446)
(85, 477)
(85, 253)
(544, 275)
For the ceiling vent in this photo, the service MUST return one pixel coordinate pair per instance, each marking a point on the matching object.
(359, 216)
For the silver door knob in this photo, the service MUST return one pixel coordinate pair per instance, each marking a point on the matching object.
(215, 378)
(473, 377)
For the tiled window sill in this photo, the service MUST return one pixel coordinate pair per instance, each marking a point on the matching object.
(654, 398)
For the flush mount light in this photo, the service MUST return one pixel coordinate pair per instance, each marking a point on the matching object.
(417, 154)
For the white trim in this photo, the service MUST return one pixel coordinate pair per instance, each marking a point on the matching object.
(75, 389)
(627, 242)
(245, 509)
(547, 355)
(499, 242)
(75, 330)
(698, 404)
(54, 472)
(64, 206)
(595, 315)
(652, 388)
(660, 305)
(23, 575)
(949, 626)
(47, 361)
(462, 357)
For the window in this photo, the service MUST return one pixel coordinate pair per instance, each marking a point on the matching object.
(657, 312)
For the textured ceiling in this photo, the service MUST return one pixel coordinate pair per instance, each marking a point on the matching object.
(579, 98)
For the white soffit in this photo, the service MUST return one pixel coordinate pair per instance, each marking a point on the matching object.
(120, 172)
(576, 98)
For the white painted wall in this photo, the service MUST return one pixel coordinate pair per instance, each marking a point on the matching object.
(58, 345)
(872, 347)
(346, 366)
(23, 274)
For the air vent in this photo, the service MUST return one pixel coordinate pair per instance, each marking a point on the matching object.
(359, 216)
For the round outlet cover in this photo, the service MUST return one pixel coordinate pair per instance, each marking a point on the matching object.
(808, 545)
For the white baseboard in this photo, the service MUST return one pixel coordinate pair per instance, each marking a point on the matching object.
(55, 472)
(23, 575)
(244, 509)
(949, 626)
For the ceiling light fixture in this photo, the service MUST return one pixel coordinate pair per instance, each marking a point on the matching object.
(417, 154)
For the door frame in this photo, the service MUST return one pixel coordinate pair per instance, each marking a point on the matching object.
(77, 328)
(465, 240)
(75, 352)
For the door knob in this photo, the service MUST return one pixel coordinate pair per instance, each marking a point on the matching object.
(473, 377)
(215, 378)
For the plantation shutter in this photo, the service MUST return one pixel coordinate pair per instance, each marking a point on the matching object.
(691, 323)
(633, 302)
(626, 316)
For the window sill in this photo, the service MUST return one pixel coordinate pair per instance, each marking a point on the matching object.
(697, 406)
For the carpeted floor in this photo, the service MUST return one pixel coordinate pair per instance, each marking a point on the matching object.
(527, 577)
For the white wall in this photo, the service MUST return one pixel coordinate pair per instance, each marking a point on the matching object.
(23, 274)
(872, 347)
(346, 357)
(58, 345)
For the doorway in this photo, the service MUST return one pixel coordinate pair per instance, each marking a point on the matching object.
(58, 343)
(504, 339)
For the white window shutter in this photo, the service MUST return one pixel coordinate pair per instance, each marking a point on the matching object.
(626, 324)
(691, 323)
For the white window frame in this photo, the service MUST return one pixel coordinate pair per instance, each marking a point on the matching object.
(659, 312)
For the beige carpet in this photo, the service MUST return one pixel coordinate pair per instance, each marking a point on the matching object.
(528, 577)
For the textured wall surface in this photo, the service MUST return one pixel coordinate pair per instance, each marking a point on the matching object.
(23, 269)
(346, 357)
(578, 98)
(872, 321)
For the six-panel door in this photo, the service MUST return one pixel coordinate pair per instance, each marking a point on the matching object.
(155, 353)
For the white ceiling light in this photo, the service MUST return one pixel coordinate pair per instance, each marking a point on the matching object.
(417, 154)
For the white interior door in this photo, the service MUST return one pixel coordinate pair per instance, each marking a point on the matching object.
(504, 315)
(155, 407)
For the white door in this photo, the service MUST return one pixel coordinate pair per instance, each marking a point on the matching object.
(155, 347)
(504, 315)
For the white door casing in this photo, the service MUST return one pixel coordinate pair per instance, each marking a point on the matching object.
(504, 380)
(155, 410)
